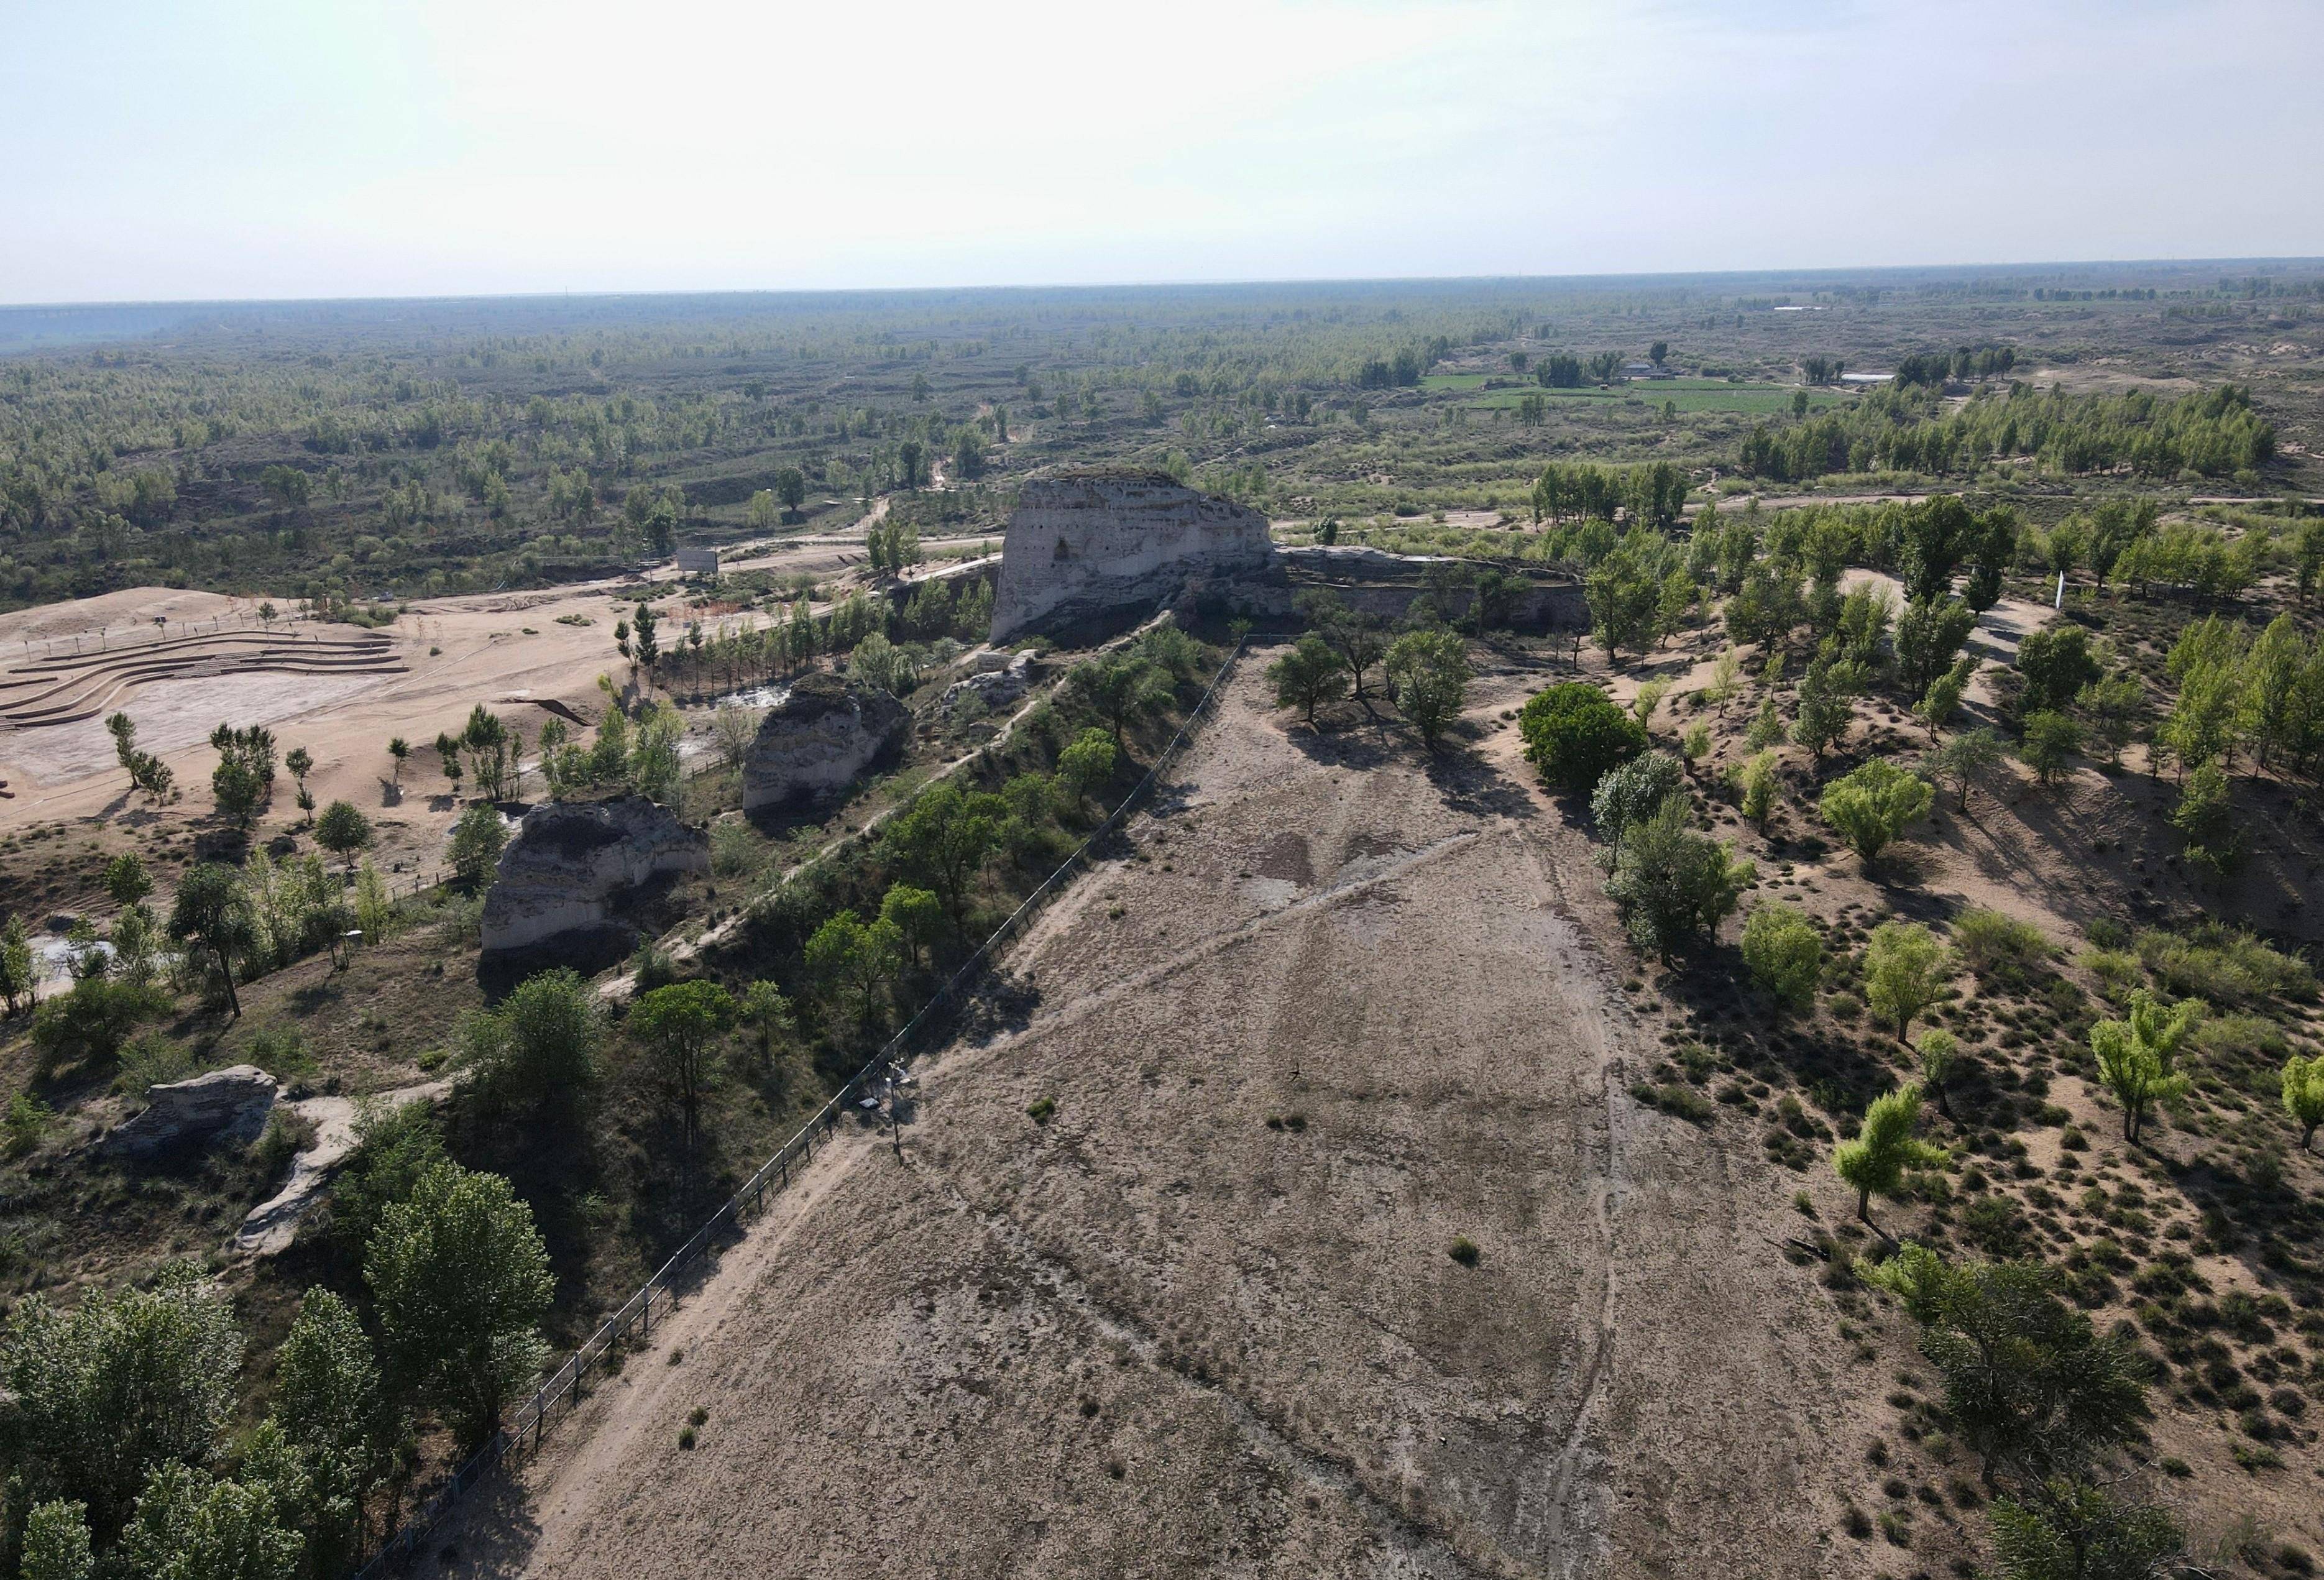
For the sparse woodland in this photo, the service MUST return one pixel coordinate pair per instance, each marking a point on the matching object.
(1985, 909)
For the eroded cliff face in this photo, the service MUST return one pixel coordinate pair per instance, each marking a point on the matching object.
(818, 740)
(1083, 546)
(570, 862)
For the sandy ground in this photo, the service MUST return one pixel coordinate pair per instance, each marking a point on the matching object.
(1159, 1334)
(504, 649)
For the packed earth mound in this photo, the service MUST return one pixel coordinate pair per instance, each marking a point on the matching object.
(1296, 1219)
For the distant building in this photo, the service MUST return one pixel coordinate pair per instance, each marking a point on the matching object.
(699, 562)
(1865, 378)
(1645, 370)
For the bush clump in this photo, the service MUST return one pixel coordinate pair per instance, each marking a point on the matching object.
(1574, 734)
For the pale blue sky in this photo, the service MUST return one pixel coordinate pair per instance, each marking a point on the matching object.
(264, 148)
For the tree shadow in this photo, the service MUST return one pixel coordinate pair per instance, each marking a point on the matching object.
(1752, 1030)
(1364, 746)
(1003, 1005)
(1468, 785)
(494, 1536)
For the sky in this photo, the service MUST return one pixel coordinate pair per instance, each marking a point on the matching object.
(162, 150)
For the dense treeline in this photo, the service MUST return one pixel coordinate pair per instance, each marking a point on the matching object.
(2214, 433)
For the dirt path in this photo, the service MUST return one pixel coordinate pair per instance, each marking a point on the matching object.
(1339, 1007)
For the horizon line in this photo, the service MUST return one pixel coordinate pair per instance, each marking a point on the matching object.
(1188, 284)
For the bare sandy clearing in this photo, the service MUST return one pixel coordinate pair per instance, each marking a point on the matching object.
(1159, 1333)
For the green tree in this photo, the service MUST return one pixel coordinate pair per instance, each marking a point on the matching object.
(327, 1403)
(2056, 664)
(400, 751)
(768, 1014)
(1906, 970)
(917, 915)
(2138, 1056)
(2112, 705)
(850, 956)
(2051, 744)
(1308, 677)
(645, 640)
(129, 1379)
(2304, 1094)
(342, 830)
(477, 840)
(193, 1526)
(2071, 1529)
(2029, 1385)
(1087, 765)
(1942, 701)
(19, 973)
(1118, 688)
(1359, 638)
(124, 731)
(1633, 792)
(1673, 885)
(1936, 535)
(209, 915)
(790, 487)
(1937, 1052)
(1968, 759)
(681, 1026)
(1428, 675)
(1757, 780)
(88, 1024)
(1929, 633)
(128, 880)
(56, 1545)
(460, 1278)
(1874, 1162)
(1784, 952)
(1625, 601)
(1574, 734)
(2205, 818)
(1826, 704)
(944, 838)
(1872, 805)
(536, 1051)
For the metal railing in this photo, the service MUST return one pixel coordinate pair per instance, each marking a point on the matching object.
(567, 1387)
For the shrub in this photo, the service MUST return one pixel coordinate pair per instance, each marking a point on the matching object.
(1871, 806)
(1464, 1250)
(1756, 779)
(1785, 953)
(2215, 962)
(1041, 1109)
(1998, 947)
(1574, 734)
(2117, 970)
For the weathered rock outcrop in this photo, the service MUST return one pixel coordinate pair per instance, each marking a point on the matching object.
(1082, 546)
(995, 684)
(228, 1104)
(818, 740)
(273, 1223)
(571, 861)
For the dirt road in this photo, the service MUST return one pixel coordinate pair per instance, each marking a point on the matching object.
(1338, 1010)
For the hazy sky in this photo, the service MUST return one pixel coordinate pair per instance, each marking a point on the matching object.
(263, 148)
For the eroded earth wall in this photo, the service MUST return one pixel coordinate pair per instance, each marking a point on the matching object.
(1081, 547)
